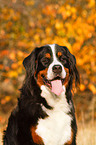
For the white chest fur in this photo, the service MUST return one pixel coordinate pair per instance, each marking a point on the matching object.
(56, 128)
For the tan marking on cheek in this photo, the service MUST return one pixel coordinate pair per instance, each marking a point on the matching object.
(70, 141)
(39, 77)
(67, 76)
(36, 138)
(59, 54)
(48, 55)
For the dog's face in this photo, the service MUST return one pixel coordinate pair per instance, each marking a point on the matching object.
(52, 66)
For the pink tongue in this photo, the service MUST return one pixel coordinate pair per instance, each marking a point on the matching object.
(57, 87)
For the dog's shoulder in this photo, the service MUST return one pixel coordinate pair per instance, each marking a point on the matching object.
(12, 129)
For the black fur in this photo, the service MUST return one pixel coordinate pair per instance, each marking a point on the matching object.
(29, 110)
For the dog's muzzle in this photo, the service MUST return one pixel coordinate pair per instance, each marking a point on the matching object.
(57, 69)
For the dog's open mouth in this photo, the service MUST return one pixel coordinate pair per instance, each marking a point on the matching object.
(56, 84)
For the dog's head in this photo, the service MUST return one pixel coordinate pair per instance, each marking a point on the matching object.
(53, 66)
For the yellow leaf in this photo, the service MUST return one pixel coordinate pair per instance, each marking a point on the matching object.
(20, 53)
(91, 3)
(73, 10)
(92, 88)
(12, 74)
(68, 13)
(36, 37)
(19, 70)
(59, 25)
(48, 30)
(20, 62)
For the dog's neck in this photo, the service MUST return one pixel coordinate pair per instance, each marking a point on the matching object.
(53, 99)
(56, 128)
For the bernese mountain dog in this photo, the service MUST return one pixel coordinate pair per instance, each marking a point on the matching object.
(45, 113)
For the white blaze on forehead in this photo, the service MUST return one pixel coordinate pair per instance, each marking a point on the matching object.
(54, 53)
(50, 74)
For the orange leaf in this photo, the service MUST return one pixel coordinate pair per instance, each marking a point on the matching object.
(82, 87)
(1, 66)
(14, 66)
(4, 52)
(7, 98)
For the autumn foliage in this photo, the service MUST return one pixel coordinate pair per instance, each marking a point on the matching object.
(25, 24)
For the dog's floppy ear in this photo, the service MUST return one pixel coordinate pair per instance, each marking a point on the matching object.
(72, 62)
(29, 62)
(75, 71)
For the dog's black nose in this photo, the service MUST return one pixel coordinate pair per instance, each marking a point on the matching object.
(57, 69)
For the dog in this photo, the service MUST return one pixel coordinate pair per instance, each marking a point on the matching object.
(45, 114)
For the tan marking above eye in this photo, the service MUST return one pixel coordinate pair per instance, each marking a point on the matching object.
(47, 55)
(59, 54)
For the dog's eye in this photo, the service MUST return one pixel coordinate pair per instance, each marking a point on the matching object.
(64, 61)
(45, 61)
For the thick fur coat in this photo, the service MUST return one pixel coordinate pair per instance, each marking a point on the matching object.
(45, 113)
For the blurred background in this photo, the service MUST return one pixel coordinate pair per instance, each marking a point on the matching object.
(25, 24)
